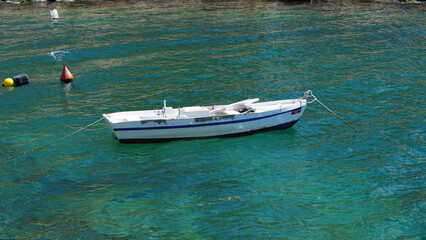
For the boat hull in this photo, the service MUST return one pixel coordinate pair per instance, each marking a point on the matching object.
(159, 140)
(207, 127)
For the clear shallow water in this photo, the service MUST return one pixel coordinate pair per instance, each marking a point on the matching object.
(318, 179)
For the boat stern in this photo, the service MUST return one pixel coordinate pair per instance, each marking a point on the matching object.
(110, 122)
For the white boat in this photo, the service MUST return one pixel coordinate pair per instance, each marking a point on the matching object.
(166, 124)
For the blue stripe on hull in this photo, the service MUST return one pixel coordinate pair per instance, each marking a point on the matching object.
(278, 127)
(204, 124)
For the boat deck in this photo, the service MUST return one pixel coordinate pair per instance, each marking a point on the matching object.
(168, 113)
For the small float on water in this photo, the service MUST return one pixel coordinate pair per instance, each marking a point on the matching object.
(66, 75)
(240, 118)
(54, 13)
(18, 80)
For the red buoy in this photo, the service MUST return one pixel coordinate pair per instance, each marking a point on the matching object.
(66, 74)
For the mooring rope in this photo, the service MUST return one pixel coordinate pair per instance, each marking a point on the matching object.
(48, 144)
(309, 94)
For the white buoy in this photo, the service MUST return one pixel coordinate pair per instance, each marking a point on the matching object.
(54, 14)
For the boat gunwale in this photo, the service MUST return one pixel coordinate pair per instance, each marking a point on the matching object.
(210, 123)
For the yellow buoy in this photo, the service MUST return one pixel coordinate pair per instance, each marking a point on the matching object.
(8, 82)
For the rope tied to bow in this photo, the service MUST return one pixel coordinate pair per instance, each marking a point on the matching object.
(309, 94)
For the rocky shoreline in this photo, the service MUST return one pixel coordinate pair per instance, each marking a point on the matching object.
(206, 1)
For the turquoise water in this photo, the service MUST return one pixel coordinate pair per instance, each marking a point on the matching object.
(317, 180)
